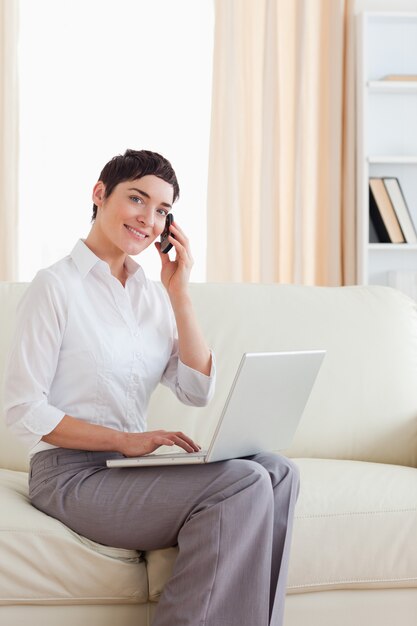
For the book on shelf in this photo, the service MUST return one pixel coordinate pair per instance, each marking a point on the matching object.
(373, 235)
(397, 198)
(400, 77)
(382, 213)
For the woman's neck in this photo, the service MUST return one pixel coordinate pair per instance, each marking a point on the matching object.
(114, 257)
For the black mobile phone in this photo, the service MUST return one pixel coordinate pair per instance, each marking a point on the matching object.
(165, 244)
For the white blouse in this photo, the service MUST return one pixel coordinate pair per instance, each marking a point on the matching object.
(88, 347)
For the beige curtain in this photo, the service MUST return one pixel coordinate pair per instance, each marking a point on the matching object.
(281, 169)
(8, 139)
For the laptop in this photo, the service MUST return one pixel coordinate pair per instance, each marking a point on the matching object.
(262, 411)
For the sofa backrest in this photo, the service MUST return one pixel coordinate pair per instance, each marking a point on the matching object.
(364, 403)
(12, 454)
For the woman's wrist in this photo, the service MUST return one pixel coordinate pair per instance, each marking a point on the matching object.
(121, 442)
(180, 300)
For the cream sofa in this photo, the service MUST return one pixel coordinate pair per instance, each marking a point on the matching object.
(354, 554)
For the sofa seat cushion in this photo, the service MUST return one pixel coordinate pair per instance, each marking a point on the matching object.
(355, 526)
(42, 561)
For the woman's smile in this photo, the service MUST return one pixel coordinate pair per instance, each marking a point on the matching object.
(137, 234)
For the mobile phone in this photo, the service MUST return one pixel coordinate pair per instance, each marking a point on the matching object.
(165, 244)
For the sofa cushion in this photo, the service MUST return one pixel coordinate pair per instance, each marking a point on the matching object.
(160, 565)
(13, 454)
(43, 561)
(355, 527)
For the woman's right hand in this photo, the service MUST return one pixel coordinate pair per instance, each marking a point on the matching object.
(139, 444)
(80, 435)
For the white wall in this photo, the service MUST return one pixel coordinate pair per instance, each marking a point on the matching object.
(385, 5)
(100, 76)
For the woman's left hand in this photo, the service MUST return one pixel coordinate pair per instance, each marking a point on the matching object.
(176, 274)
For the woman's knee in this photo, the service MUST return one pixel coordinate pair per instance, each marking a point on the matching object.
(255, 473)
(278, 467)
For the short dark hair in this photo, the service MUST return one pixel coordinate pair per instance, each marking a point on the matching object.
(134, 164)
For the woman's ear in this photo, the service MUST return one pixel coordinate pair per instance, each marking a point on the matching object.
(99, 191)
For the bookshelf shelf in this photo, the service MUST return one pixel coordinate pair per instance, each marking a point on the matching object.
(386, 86)
(393, 247)
(386, 136)
(410, 160)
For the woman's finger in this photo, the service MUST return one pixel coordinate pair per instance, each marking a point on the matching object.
(180, 236)
(182, 251)
(188, 441)
(183, 441)
(179, 248)
(176, 229)
(164, 257)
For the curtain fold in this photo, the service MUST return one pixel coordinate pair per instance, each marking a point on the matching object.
(281, 169)
(8, 139)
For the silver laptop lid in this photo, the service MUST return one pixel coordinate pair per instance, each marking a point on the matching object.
(265, 403)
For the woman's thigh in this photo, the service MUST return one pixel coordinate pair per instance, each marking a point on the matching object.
(141, 508)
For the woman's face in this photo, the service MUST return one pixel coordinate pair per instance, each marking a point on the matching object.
(133, 216)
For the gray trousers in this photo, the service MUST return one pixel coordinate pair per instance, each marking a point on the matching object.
(231, 520)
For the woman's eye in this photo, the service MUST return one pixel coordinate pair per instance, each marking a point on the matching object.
(136, 199)
(163, 212)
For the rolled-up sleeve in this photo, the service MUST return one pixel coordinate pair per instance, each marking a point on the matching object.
(32, 360)
(190, 386)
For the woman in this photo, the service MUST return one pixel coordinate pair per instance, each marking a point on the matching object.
(94, 337)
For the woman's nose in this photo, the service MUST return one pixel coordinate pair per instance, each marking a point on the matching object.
(147, 218)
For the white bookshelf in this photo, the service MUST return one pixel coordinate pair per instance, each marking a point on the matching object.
(386, 132)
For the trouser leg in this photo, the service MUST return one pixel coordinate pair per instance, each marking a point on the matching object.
(228, 518)
(219, 514)
(221, 575)
(285, 481)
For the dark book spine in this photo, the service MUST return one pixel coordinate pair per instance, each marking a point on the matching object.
(377, 220)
